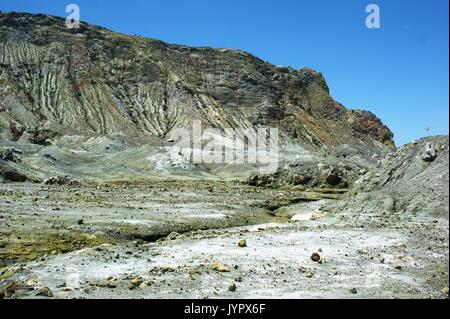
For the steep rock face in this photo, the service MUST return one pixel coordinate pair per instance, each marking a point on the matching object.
(55, 81)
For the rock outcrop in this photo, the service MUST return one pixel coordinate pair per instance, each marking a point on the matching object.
(337, 167)
(413, 179)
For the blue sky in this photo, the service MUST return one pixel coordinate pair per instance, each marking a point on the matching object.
(399, 72)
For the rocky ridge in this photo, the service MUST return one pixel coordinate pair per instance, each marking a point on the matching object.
(56, 81)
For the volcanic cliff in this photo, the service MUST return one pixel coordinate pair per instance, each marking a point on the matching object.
(56, 81)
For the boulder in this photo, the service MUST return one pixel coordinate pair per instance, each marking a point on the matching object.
(429, 155)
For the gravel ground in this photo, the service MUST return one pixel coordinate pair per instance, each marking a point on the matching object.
(211, 240)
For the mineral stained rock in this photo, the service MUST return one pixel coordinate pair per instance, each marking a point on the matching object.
(55, 81)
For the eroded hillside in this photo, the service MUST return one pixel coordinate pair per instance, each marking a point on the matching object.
(55, 81)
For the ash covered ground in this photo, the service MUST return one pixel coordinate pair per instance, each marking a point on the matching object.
(81, 228)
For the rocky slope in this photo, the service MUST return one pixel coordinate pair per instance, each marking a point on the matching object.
(56, 81)
(414, 180)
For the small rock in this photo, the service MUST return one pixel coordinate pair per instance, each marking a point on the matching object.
(31, 283)
(137, 281)
(242, 243)
(11, 289)
(333, 177)
(354, 291)
(219, 267)
(168, 269)
(315, 257)
(362, 171)
(61, 180)
(397, 266)
(80, 222)
(10, 154)
(111, 285)
(143, 285)
(173, 236)
(45, 292)
(232, 287)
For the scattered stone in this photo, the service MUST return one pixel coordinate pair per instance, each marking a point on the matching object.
(173, 236)
(168, 268)
(315, 257)
(242, 243)
(353, 291)
(143, 285)
(111, 285)
(397, 266)
(31, 283)
(80, 222)
(45, 292)
(232, 288)
(11, 289)
(61, 180)
(220, 267)
(137, 281)
(362, 171)
(10, 154)
(333, 177)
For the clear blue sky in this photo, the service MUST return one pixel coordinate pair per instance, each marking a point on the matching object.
(399, 72)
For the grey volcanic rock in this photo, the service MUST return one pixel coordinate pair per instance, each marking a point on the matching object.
(404, 182)
(55, 81)
(9, 172)
(61, 180)
(10, 154)
(429, 154)
(337, 167)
